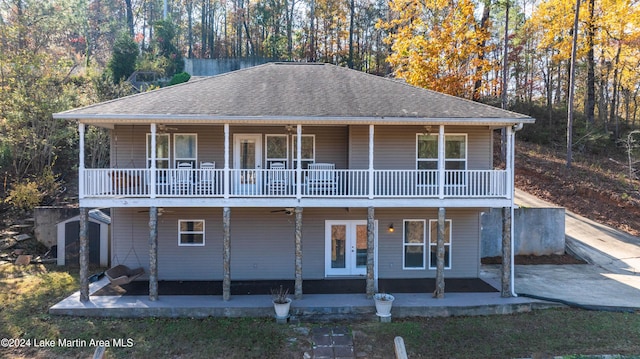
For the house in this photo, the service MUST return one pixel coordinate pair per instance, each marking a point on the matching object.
(299, 172)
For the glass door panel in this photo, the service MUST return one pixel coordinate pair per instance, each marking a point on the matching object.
(338, 246)
(346, 248)
(247, 163)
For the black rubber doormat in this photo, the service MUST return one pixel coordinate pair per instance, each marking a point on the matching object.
(329, 286)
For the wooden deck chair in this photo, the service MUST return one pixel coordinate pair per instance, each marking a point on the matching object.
(121, 274)
(183, 178)
(278, 179)
(321, 179)
(206, 178)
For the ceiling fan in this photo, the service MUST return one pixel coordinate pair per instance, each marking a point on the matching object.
(164, 128)
(288, 211)
(161, 211)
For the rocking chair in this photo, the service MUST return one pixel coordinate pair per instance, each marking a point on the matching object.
(122, 274)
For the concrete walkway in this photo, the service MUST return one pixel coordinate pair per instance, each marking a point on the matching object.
(612, 277)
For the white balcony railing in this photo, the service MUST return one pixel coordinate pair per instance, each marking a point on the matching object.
(282, 183)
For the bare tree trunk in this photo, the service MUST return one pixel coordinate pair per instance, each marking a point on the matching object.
(483, 24)
(614, 97)
(572, 74)
(439, 293)
(591, 76)
(352, 8)
(153, 253)
(506, 289)
(84, 254)
(505, 79)
(190, 28)
(298, 252)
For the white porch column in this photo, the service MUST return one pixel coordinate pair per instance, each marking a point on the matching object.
(227, 176)
(299, 162)
(152, 167)
(441, 162)
(81, 161)
(371, 179)
(510, 166)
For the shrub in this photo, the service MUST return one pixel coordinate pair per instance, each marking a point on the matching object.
(25, 195)
(179, 78)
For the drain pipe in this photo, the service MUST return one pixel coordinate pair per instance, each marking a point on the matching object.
(515, 128)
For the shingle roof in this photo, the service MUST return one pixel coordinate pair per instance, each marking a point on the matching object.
(292, 90)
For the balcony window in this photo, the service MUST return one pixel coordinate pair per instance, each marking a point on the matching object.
(455, 151)
(162, 150)
(308, 150)
(276, 149)
(185, 148)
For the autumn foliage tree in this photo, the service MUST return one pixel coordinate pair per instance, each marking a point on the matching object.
(437, 44)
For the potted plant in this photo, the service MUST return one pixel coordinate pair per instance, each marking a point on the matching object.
(281, 302)
(383, 301)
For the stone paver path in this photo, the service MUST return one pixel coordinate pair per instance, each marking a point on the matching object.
(332, 343)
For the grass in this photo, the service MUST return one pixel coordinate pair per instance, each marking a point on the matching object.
(27, 292)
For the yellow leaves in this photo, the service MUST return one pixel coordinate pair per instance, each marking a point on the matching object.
(436, 44)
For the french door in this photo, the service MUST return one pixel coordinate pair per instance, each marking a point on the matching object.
(247, 162)
(346, 248)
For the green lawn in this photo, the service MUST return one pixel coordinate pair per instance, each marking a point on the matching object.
(27, 293)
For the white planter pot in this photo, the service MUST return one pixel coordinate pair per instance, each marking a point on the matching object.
(282, 310)
(383, 304)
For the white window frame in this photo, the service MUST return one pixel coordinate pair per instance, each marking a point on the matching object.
(180, 233)
(294, 150)
(405, 244)
(158, 159)
(435, 243)
(268, 160)
(435, 159)
(176, 159)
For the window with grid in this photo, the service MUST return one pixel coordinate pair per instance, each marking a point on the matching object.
(308, 150)
(414, 244)
(433, 243)
(190, 232)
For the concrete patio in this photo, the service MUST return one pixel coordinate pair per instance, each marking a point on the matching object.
(318, 306)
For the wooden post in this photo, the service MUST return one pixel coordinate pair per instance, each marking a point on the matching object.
(506, 291)
(439, 293)
(298, 264)
(84, 254)
(371, 232)
(226, 254)
(153, 253)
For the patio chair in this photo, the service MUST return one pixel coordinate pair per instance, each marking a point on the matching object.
(206, 178)
(182, 178)
(321, 179)
(278, 179)
(121, 274)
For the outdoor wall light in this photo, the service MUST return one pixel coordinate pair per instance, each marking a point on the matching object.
(391, 229)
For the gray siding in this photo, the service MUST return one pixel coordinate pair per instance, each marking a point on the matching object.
(262, 242)
(395, 147)
(347, 147)
(128, 144)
